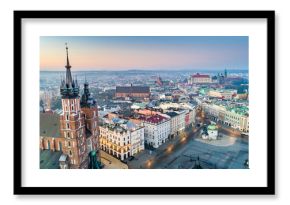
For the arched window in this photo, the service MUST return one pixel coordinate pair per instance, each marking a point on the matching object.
(70, 153)
(48, 144)
(60, 146)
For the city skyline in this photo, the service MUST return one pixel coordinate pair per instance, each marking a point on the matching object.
(121, 53)
(146, 124)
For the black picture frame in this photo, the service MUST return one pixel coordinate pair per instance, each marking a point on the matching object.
(268, 190)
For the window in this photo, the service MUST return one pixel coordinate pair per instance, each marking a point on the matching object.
(48, 144)
(67, 118)
(67, 125)
(70, 153)
(68, 135)
(69, 144)
(59, 146)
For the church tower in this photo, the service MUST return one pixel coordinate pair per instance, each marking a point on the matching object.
(90, 110)
(72, 122)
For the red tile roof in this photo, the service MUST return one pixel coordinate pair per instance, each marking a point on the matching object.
(200, 76)
(154, 119)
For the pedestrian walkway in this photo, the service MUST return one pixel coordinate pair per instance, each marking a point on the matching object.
(223, 141)
(111, 162)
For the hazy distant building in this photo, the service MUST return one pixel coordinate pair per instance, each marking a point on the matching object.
(200, 78)
(161, 82)
(132, 91)
(215, 79)
(222, 93)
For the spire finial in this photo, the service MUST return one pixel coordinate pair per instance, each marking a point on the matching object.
(67, 60)
(68, 80)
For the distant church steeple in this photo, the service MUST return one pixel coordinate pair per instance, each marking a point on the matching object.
(69, 88)
(226, 73)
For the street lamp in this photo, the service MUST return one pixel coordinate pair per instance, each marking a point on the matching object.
(149, 163)
(170, 147)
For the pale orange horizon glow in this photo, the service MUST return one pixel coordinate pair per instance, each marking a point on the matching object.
(128, 55)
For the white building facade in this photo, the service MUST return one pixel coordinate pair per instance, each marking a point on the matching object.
(120, 141)
(157, 130)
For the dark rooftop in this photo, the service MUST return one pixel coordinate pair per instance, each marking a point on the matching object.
(49, 159)
(171, 114)
(132, 89)
(49, 125)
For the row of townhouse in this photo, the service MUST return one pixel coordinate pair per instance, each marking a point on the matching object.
(124, 138)
(159, 127)
(233, 117)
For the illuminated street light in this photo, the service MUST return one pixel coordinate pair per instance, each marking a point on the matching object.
(149, 163)
(169, 149)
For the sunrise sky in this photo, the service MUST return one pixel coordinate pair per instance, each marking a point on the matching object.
(144, 52)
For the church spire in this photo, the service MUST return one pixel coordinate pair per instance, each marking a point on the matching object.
(87, 100)
(68, 79)
(69, 88)
(67, 60)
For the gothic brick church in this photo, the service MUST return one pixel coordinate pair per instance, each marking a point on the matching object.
(70, 140)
